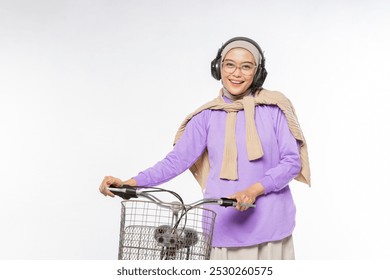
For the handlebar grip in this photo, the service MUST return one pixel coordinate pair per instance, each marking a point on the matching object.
(126, 191)
(232, 202)
(228, 202)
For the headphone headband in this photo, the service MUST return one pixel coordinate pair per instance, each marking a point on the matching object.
(261, 72)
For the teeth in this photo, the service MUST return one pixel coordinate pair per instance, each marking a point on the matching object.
(236, 82)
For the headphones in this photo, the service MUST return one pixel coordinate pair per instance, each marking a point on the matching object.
(261, 72)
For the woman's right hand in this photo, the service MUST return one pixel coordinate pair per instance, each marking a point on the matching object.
(110, 181)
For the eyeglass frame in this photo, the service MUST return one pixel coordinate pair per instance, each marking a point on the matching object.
(239, 67)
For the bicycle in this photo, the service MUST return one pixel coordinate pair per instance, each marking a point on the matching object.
(158, 230)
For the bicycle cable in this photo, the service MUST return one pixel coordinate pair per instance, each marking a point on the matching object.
(184, 209)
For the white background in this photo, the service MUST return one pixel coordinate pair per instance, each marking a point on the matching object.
(95, 88)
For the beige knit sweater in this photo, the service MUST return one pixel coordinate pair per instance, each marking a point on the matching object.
(201, 168)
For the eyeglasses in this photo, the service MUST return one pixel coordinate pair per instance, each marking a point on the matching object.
(246, 68)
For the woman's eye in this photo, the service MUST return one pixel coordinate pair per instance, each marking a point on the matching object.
(230, 65)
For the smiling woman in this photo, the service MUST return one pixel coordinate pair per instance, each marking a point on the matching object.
(238, 79)
(245, 144)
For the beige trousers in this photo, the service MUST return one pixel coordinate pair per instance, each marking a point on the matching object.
(276, 250)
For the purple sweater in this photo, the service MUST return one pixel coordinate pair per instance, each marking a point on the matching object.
(274, 216)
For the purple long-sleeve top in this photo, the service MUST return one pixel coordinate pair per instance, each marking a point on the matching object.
(274, 216)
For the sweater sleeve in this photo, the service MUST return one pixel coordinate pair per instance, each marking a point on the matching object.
(184, 154)
(278, 177)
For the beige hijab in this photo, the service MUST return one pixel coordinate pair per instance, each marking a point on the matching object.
(201, 168)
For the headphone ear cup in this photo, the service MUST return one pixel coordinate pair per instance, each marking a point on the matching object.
(215, 69)
(264, 74)
(259, 79)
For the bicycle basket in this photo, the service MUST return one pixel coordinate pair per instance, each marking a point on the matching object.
(154, 231)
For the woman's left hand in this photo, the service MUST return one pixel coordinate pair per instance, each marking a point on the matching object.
(248, 196)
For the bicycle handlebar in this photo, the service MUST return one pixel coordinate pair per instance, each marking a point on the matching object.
(127, 192)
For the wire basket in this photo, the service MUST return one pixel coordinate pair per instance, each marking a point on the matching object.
(156, 231)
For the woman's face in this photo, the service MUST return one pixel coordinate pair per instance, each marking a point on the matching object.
(238, 70)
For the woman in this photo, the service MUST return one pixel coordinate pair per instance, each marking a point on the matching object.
(245, 144)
